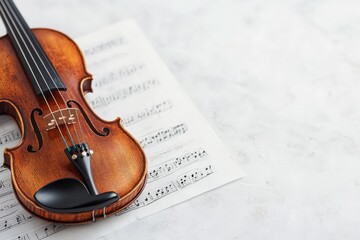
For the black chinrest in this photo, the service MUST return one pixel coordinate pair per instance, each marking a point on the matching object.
(69, 195)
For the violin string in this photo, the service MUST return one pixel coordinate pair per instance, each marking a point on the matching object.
(63, 99)
(32, 72)
(81, 130)
(47, 85)
(32, 57)
(77, 117)
(42, 62)
(80, 125)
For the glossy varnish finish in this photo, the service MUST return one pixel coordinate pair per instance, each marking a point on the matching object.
(118, 162)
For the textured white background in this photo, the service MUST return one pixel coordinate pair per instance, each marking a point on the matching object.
(279, 82)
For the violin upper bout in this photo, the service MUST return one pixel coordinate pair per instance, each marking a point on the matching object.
(66, 57)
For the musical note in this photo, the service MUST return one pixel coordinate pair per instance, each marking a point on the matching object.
(48, 231)
(123, 93)
(146, 113)
(163, 135)
(5, 182)
(166, 168)
(10, 136)
(104, 46)
(150, 197)
(5, 185)
(182, 181)
(8, 205)
(22, 237)
(123, 73)
(4, 225)
(194, 176)
(41, 233)
(15, 220)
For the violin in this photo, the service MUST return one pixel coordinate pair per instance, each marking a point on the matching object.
(70, 166)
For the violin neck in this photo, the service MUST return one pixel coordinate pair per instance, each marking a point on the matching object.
(33, 58)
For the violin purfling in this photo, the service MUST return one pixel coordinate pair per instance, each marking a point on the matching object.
(70, 166)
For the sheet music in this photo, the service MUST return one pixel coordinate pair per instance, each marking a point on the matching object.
(185, 157)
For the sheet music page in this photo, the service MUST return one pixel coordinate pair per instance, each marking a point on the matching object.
(185, 158)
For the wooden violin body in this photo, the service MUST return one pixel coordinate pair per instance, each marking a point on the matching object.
(118, 162)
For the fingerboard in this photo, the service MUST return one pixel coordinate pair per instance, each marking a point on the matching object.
(33, 58)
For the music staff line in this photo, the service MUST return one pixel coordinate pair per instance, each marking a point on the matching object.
(5, 187)
(10, 136)
(147, 113)
(124, 93)
(181, 182)
(7, 206)
(106, 46)
(166, 168)
(185, 180)
(40, 233)
(124, 72)
(16, 220)
(163, 135)
(5, 182)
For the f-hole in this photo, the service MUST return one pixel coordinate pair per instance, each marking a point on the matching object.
(37, 132)
(106, 131)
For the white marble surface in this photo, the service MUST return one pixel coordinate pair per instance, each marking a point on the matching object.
(279, 81)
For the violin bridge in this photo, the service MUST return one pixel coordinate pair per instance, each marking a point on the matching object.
(62, 116)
